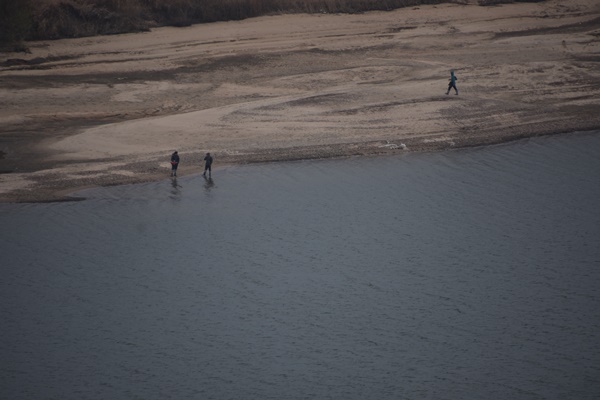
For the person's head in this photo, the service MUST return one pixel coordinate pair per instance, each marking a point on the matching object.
(175, 152)
(208, 154)
(452, 71)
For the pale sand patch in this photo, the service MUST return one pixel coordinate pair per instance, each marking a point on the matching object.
(13, 182)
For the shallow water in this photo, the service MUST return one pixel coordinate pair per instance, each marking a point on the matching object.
(467, 274)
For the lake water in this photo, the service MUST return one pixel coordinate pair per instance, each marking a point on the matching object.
(468, 274)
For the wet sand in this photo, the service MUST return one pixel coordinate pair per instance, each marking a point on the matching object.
(110, 110)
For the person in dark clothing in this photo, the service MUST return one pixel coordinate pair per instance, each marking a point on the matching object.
(452, 83)
(208, 164)
(174, 163)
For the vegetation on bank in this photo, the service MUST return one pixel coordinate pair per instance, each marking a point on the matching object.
(53, 19)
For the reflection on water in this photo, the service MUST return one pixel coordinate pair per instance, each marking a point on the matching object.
(466, 274)
(176, 189)
(209, 183)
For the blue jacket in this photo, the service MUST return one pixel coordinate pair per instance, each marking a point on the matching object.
(453, 79)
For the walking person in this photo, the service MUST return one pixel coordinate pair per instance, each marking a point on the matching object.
(208, 160)
(174, 163)
(452, 83)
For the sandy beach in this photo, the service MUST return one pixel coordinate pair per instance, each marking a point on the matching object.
(110, 110)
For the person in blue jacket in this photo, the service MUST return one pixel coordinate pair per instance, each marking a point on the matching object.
(452, 83)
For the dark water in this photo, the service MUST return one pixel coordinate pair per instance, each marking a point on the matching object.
(472, 274)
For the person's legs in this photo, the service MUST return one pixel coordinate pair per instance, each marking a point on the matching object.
(452, 86)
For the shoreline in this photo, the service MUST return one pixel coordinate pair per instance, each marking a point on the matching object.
(64, 192)
(106, 111)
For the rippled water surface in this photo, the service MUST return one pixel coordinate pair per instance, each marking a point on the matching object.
(471, 274)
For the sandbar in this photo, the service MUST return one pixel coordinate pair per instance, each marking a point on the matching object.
(110, 110)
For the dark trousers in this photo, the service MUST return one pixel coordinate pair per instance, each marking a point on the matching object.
(452, 85)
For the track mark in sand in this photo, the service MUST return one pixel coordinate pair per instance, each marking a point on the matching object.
(12, 62)
(319, 99)
(569, 28)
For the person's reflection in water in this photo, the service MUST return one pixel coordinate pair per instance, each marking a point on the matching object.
(208, 182)
(175, 189)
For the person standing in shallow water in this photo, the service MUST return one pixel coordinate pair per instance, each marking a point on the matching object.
(452, 83)
(208, 160)
(174, 163)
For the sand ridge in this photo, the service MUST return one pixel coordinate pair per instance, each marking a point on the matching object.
(110, 110)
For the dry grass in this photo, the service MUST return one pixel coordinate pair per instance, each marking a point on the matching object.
(496, 2)
(53, 19)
